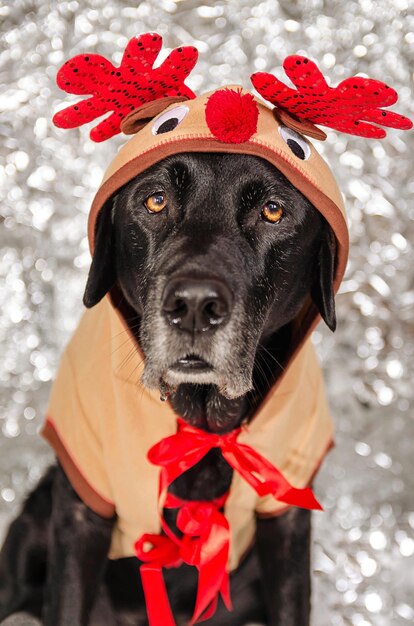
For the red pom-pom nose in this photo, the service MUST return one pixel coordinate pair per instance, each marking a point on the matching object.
(232, 116)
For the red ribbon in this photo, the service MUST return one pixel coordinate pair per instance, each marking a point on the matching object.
(157, 551)
(205, 544)
(206, 533)
(177, 453)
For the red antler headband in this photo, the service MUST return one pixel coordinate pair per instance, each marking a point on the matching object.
(125, 88)
(350, 107)
(347, 107)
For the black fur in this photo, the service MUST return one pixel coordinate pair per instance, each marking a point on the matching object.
(212, 231)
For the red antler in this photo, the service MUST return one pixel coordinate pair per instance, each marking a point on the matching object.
(125, 88)
(347, 107)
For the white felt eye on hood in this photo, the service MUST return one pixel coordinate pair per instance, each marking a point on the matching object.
(169, 120)
(296, 142)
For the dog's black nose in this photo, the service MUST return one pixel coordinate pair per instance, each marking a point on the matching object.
(196, 304)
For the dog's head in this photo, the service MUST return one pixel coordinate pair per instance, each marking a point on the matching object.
(213, 254)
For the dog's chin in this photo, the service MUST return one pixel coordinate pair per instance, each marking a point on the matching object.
(198, 374)
(174, 378)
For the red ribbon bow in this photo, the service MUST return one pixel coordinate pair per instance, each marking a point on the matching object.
(177, 453)
(206, 533)
(205, 544)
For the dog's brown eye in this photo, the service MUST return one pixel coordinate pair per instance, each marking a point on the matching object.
(156, 203)
(272, 212)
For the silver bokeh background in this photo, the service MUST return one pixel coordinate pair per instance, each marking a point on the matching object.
(364, 542)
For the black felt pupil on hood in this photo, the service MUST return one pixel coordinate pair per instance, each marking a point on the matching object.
(296, 149)
(168, 125)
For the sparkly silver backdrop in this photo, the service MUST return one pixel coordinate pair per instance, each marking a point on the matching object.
(364, 542)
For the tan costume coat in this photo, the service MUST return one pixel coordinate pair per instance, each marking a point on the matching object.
(102, 423)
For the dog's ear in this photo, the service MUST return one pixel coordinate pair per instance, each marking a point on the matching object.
(322, 291)
(102, 273)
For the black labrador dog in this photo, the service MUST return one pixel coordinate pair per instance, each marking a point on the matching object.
(217, 280)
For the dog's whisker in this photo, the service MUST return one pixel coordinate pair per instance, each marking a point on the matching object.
(133, 349)
(278, 363)
(139, 383)
(249, 399)
(127, 329)
(127, 340)
(112, 339)
(133, 352)
(134, 317)
(264, 378)
(128, 358)
(271, 378)
(268, 378)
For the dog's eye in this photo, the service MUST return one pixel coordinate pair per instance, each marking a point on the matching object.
(169, 120)
(296, 142)
(272, 212)
(156, 203)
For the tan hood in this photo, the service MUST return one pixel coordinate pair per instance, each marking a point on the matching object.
(312, 177)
